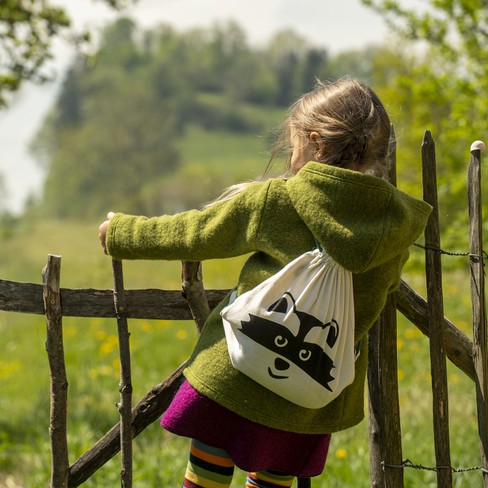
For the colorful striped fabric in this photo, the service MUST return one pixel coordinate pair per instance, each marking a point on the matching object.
(208, 467)
(268, 479)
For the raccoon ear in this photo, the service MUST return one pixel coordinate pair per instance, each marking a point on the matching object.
(333, 333)
(281, 306)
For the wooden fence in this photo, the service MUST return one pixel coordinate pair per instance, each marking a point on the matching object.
(193, 302)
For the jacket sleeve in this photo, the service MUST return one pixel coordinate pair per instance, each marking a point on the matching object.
(225, 229)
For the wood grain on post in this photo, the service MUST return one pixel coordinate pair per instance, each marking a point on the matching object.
(384, 430)
(147, 303)
(125, 386)
(194, 292)
(59, 383)
(435, 308)
(478, 302)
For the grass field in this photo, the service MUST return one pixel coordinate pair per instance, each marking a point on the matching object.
(159, 346)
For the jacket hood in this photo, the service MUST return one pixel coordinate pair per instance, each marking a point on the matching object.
(361, 221)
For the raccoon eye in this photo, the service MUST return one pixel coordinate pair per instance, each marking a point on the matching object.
(305, 354)
(280, 341)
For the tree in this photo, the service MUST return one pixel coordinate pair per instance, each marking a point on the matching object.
(453, 60)
(295, 65)
(109, 134)
(27, 28)
(445, 89)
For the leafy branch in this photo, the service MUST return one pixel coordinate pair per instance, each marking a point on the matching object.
(27, 30)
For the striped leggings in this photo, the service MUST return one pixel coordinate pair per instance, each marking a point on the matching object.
(210, 467)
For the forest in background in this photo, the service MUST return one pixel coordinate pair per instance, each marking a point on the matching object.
(151, 114)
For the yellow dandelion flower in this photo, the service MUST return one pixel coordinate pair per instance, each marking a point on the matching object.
(109, 345)
(454, 379)
(164, 323)
(9, 368)
(414, 346)
(101, 335)
(106, 370)
(400, 343)
(94, 327)
(182, 334)
(146, 326)
(401, 374)
(341, 453)
(93, 373)
(412, 333)
(70, 330)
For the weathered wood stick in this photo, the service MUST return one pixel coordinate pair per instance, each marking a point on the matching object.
(435, 309)
(458, 345)
(478, 300)
(59, 383)
(385, 439)
(157, 400)
(92, 302)
(125, 386)
(194, 292)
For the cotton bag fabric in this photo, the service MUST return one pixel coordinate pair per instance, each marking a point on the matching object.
(294, 332)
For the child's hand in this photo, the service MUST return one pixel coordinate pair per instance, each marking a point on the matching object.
(102, 231)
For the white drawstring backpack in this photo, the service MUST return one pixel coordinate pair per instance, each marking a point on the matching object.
(294, 332)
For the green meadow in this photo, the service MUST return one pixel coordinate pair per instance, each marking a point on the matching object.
(158, 347)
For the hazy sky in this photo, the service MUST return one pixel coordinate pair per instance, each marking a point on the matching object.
(332, 24)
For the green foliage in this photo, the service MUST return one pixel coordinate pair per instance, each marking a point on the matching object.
(441, 87)
(27, 30)
(110, 136)
(457, 28)
(127, 114)
(112, 139)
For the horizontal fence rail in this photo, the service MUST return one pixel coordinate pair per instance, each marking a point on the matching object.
(90, 302)
(159, 304)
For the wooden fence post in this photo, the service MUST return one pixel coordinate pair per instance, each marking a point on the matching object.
(59, 382)
(436, 317)
(384, 408)
(125, 387)
(194, 292)
(478, 300)
(384, 430)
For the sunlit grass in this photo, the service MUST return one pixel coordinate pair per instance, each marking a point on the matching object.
(158, 347)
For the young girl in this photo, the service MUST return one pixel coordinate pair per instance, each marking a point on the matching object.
(337, 139)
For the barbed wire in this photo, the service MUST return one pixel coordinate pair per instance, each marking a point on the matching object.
(484, 254)
(409, 464)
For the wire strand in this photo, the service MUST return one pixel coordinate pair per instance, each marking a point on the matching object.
(409, 464)
(484, 255)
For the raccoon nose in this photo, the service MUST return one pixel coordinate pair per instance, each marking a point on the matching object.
(281, 364)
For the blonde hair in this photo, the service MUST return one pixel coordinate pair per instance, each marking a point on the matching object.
(351, 122)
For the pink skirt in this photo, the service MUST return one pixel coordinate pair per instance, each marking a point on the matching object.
(252, 446)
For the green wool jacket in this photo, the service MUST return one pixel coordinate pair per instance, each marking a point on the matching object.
(363, 222)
